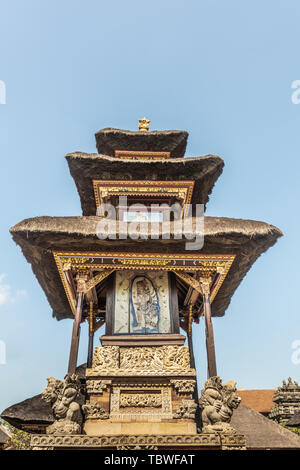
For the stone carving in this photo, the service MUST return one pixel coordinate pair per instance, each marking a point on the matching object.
(161, 357)
(97, 386)
(287, 399)
(156, 403)
(187, 409)
(183, 386)
(92, 410)
(106, 358)
(140, 400)
(112, 441)
(218, 402)
(137, 361)
(62, 396)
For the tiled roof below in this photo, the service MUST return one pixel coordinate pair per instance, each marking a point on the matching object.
(259, 400)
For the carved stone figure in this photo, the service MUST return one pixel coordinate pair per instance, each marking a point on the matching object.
(218, 402)
(62, 396)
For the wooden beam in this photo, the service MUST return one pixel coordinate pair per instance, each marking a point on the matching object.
(209, 332)
(97, 279)
(75, 335)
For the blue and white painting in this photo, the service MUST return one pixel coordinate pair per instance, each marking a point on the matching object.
(144, 305)
(141, 302)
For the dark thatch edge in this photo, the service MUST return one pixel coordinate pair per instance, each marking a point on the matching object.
(38, 236)
(261, 432)
(84, 168)
(108, 140)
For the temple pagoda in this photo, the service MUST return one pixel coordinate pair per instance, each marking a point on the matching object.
(143, 260)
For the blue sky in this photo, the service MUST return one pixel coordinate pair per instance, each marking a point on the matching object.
(220, 70)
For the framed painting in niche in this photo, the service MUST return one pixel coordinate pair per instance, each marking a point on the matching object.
(141, 303)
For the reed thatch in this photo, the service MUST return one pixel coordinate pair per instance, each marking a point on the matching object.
(37, 237)
(108, 140)
(85, 168)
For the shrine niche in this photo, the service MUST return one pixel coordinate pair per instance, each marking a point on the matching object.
(141, 303)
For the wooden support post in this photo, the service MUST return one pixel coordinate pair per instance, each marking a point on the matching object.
(210, 343)
(91, 335)
(193, 366)
(81, 278)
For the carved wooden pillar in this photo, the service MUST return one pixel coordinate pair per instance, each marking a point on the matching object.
(91, 335)
(205, 282)
(81, 279)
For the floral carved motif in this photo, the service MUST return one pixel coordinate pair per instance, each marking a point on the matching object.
(187, 409)
(94, 411)
(97, 386)
(140, 400)
(184, 386)
(107, 357)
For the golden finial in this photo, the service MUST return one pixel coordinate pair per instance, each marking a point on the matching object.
(144, 125)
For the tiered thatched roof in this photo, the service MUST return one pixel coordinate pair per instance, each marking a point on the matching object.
(85, 168)
(108, 140)
(38, 236)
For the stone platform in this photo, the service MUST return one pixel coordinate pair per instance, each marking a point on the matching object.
(203, 441)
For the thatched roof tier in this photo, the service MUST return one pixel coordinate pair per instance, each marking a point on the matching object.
(39, 236)
(85, 168)
(108, 140)
(31, 411)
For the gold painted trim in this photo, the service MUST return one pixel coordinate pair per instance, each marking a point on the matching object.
(142, 261)
(141, 155)
(181, 189)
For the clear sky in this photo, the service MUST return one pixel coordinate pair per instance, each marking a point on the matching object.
(220, 70)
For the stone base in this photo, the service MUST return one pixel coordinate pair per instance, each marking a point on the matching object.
(100, 428)
(203, 441)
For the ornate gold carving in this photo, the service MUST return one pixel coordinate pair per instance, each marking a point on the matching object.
(81, 279)
(144, 125)
(182, 189)
(183, 386)
(97, 386)
(140, 400)
(97, 279)
(141, 155)
(187, 409)
(142, 262)
(166, 262)
(92, 410)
